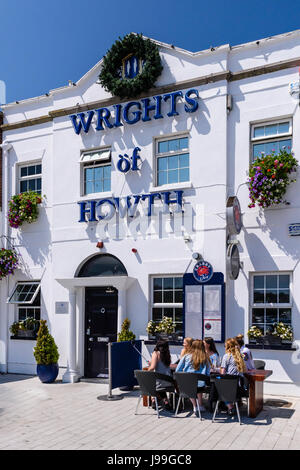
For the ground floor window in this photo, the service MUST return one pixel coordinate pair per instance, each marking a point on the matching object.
(27, 297)
(167, 300)
(270, 301)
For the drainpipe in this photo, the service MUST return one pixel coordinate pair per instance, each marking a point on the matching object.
(5, 147)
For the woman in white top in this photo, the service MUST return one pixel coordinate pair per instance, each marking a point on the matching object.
(212, 353)
(245, 352)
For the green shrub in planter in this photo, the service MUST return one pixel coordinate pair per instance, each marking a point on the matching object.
(45, 351)
(125, 333)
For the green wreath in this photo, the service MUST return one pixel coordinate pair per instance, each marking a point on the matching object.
(111, 76)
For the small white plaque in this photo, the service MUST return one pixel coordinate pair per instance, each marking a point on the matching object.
(61, 307)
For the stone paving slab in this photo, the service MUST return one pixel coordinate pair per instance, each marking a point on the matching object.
(36, 416)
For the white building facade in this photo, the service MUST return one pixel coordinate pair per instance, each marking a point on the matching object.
(95, 246)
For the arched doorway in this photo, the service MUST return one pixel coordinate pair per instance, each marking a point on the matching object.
(101, 312)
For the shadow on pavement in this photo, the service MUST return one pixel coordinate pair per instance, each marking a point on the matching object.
(6, 378)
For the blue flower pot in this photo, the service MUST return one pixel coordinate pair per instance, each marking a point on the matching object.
(47, 373)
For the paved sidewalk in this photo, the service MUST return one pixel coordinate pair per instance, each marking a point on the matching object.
(69, 416)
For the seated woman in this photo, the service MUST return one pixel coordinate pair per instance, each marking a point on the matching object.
(246, 353)
(212, 352)
(232, 363)
(187, 346)
(160, 362)
(196, 361)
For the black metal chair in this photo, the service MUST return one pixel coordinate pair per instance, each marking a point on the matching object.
(147, 382)
(260, 365)
(227, 390)
(187, 383)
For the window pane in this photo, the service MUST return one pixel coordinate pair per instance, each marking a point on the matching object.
(24, 171)
(106, 185)
(163, 147)
(38, 169)
(284, 281)
(284, 296)
(168, 297)
(258, 297)
(173, 162)
(184, 175)
(259, 131)
(271, 315)
(285, 315)
(31, 185)
(184, 143)
(178, 296)
(173, 176)
(173, 145)
(271, 147)
(178, 282)
(168, 312)
(184, 160)
(23, 186)
(22, 314)
(283, 127)
(157, 297)
(89, 188)
(285, 143)
(258, 315)
(98, 173)
(156, 314)
(89, 174)
(31, 170)
(162, 163)
(271, 129)
(157, 283)
(257, 149)
(259, 282)
(168, 282)
(178, 315)
(162, 178)
(271, 282)
(38, 184)
(107, 171)
(271, 297)
(98, 186)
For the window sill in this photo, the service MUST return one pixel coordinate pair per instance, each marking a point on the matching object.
(279, 347)
(171, 187)
(31, 338)
(92, 196)
(171, 343)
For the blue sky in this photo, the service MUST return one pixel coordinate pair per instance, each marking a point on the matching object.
(45, 43)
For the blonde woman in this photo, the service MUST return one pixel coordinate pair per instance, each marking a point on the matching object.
(187, 347)
(232, 363)
(196, 361)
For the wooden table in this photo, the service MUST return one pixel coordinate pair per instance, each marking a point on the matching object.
(256, 390)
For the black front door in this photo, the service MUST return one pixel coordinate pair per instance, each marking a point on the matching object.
(101, 323)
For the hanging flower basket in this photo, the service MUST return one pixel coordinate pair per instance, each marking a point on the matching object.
(23, 208)
(269, 178)
(8, 262)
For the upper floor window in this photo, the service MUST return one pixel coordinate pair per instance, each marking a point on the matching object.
(172, 160)
(96, 168)
(270, 300)
(30, 178)
(270, 137)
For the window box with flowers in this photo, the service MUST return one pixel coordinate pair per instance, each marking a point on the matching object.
(23, 208)
(8, 262)
(269, 177)
(280, 334)
(27, 328)
(163, 330)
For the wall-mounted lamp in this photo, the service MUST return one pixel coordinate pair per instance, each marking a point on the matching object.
(134, 250)
(197, 256)
(100, 245)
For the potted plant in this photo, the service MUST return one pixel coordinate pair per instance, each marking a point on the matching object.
(165, 328)
(255, 334)
(14, 328)
(284, 332)
(151, 329)
(46, 355)
(8, 262)
(269, 177)
(125, 333)
(23, 208)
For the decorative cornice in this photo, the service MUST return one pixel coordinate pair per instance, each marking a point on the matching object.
(212, 78)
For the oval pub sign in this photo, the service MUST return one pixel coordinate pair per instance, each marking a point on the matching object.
(203, 271)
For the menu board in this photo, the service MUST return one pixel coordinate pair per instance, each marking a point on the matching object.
(193, 311)
(204, 307)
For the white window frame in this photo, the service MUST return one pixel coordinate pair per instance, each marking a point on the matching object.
(272, 137)
(157, 155)
(29, 177)
(163, 304)
(24, 302)
(98, 158)
(253, 305)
